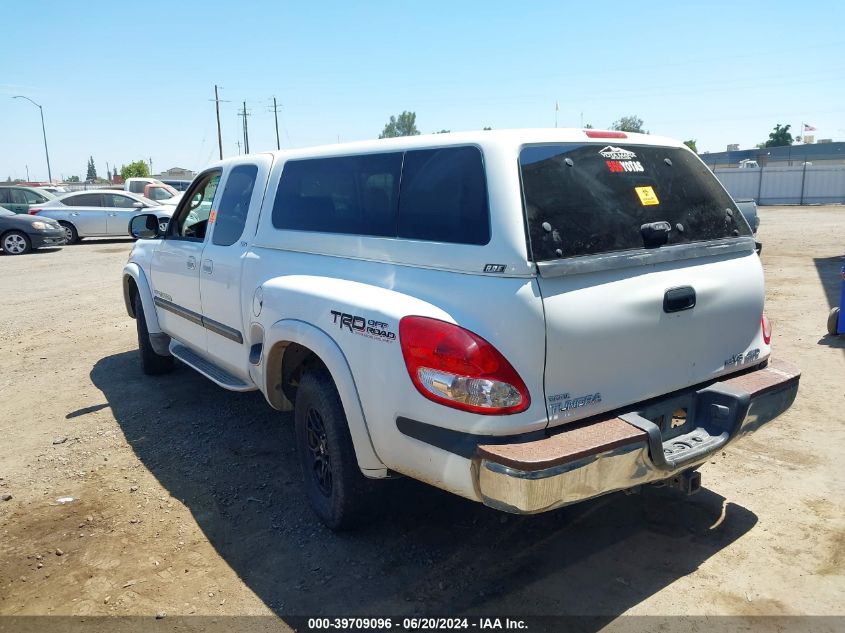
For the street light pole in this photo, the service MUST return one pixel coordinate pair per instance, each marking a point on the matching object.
(43, 131)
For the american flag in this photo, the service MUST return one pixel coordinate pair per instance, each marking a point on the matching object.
(809, 128)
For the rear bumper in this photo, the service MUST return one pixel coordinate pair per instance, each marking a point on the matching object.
(630, 449)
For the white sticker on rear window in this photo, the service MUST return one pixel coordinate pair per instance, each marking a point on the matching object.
(616, 153)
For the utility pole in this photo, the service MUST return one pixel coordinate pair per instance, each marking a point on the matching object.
(217, 102)
(151, 165)
(239, 148)
(245, 114)
(27, 172)
(276, 116)
(43, 131)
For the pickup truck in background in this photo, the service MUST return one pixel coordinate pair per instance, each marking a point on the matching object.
(525, 318)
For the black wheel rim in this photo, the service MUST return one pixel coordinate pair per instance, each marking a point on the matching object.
(321, 465)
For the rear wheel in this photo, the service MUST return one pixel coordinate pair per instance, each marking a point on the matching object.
(71, 234)
(16, 243)
(151, 363)
(833, 321)
(340, 495)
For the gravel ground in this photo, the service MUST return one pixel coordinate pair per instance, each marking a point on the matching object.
(187, 498)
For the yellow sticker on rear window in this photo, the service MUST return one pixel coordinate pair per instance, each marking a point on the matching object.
(647, 196)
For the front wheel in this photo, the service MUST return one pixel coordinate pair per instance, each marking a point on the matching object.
(339, 494)
(16, 243)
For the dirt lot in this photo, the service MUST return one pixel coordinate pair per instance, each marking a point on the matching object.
(187, 498)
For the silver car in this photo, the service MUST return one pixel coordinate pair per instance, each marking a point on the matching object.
(100, 213)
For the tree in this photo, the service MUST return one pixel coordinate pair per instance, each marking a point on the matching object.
(487, 128)
(631, 123)
(73, 179)
(443, 132)
(691, 144)
(138, 169)
(92, 170)
(589, 126)
(404, 125)
(779, 137)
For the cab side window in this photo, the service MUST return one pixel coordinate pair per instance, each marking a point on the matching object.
(194, 210)
(234, 205)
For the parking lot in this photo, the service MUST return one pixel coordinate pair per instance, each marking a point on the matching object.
(187, 498)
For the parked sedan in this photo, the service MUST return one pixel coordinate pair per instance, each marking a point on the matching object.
(100, 213)
(20, 199)
(20, 233)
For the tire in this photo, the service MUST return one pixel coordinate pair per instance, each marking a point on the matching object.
(71, 234)
(339, 494)
(16, 243)
(151, 363)
(833, 321)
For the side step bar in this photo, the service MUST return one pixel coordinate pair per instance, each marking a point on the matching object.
(208, 369)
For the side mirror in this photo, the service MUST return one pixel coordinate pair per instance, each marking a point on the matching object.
(138, 205)
(144, 227)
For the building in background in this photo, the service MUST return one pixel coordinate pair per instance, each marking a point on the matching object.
(176, 173)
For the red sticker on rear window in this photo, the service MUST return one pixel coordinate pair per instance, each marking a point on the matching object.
(617, 166)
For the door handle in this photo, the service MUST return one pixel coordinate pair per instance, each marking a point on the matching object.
(679, 299)
(191, 263)
(207, 266)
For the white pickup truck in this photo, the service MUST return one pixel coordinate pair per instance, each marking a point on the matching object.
(525, 318)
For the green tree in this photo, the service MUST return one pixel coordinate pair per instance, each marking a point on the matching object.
(631, 123)
(138, 169)
(779, 137)
(73, 179)
(487, 128)
(403, 125)
(92, 170)
(443, 132)
(691, 144)
(589, 126)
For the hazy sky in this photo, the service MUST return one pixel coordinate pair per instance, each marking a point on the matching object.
(123, 81)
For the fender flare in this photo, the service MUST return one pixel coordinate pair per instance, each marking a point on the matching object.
(134, 270)
(286, 331)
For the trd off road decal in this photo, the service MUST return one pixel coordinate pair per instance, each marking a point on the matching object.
(371, 328)
(621, 160)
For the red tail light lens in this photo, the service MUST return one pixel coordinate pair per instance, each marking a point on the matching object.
(767, 329)
(34, 211)
(454, 367)
(605, 134)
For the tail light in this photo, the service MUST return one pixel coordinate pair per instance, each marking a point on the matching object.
(459, 369)
(605, 134)
(767, 329)
(34, 211)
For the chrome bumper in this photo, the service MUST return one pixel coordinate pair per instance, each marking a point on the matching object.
(628, 450)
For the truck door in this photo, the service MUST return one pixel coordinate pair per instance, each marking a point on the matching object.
(175, 264)
(223, 297)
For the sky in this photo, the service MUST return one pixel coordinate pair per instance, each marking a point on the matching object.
(121, 82)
